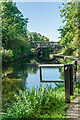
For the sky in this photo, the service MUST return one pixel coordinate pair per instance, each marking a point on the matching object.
(44, 17)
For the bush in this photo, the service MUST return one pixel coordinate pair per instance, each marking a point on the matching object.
(7, 55)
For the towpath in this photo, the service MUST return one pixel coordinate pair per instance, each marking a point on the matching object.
(74, 106)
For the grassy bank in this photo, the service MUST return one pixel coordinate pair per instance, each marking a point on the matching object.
(44, 102)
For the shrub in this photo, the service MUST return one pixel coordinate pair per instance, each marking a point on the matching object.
(6, 55)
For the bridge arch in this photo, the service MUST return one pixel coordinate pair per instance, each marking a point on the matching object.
(40, 47)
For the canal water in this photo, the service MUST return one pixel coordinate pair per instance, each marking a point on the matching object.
(20, 74)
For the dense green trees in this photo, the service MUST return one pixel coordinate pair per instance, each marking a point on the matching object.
(69, 32)
(33, 36)
(79, 27)
(14, 25)
(13, 31)
(15, 36)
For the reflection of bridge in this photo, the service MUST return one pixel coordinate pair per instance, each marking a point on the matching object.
(38, 46)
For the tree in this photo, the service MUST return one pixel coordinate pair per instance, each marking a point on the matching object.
(79, 28)
(69, 33)
(33, 36)
(14, 27)
(13, 24)
(15, 36)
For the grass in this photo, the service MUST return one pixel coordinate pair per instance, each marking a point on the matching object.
(75, 94)
(44, 102)
(78, 66)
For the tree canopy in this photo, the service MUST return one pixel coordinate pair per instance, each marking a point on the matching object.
(13, 24)
(33, 36)
(15, 36)
(69, 32)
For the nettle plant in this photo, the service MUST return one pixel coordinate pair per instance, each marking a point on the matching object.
(43, 102)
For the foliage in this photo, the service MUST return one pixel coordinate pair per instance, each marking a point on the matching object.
(19, 69)
(38, 103)
(66, 61)
(33, 36)
(6, 55)
(14, 76)
(14, 27)
(78, 66)
(75, 94)
(15, 36)
(78, 85)
(69, 32)
(43, 102)
(8, 72)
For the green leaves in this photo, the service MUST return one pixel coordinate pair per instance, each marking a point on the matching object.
(14, 32)
(14, 27)
(38, 103)
(33, 36)
(69, 13)
(7, 55)
(13, 20)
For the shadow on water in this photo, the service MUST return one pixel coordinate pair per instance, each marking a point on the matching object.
(16, 76)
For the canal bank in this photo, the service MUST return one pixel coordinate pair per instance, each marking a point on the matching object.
(23, 71)
(20, 74)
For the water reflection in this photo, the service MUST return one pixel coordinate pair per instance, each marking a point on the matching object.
(47, 74)
(14, 78)
(18, 75)
(51, 73)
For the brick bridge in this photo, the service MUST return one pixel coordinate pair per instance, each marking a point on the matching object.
(39, 46)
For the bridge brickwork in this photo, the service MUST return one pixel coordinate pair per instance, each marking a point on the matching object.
(40, 46)
(44, 44)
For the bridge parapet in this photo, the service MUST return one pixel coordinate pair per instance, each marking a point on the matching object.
(46, 44)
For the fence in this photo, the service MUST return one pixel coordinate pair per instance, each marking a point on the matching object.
(69, 77)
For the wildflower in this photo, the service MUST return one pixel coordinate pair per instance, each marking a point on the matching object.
(58, 112)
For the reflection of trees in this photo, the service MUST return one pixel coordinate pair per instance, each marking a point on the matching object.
(61, 70)
(14, 76)
(59, 84)
(44, 53)
(23, 69)
(10, 87)
(19, 69)
(7, 72)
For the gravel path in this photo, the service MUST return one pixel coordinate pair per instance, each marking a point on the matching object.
(74, 108)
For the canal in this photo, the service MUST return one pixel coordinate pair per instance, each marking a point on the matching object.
(20, 74)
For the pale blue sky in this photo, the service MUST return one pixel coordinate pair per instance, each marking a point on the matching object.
(44, 17)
